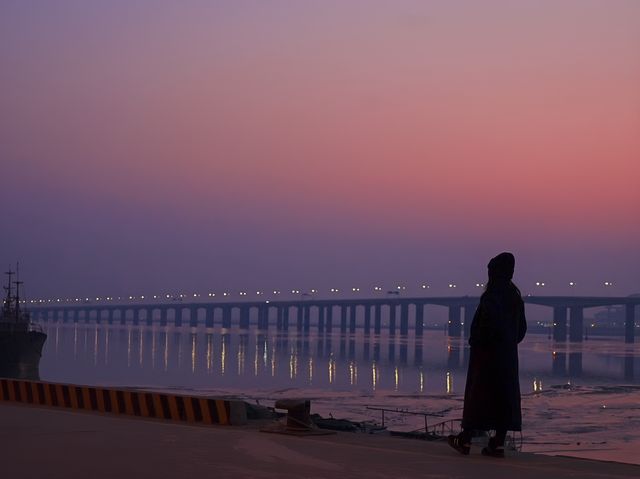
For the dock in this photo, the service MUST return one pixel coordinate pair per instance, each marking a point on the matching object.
(37, 442)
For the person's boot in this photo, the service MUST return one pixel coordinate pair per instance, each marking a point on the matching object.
(493, 449)
(459, 444)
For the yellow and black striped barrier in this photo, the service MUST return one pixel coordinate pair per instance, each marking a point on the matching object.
(193, 409)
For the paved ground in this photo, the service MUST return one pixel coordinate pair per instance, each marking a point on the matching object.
(49, 443)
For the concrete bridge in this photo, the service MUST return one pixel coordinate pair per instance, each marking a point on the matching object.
(400, 313)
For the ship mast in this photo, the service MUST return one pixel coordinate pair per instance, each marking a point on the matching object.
(7, 302)
(17, 282)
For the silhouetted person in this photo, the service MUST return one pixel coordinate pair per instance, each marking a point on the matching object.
(492, 392)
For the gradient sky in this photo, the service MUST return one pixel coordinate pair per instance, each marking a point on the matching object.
(199, 145)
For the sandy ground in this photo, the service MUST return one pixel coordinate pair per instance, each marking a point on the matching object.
(49, 443)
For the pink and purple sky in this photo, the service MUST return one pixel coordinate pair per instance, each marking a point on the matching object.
(199, 146)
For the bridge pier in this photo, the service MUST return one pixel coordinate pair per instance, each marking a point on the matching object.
(392, 319)
(352, 318)
(628, 368)
(343, 318)
(404, 319)
(575, 364)
(329, 320)
(178, 317)
(322, 313)
(629, 323)
(263, 318)
(559, 363)
(367, 319)
(576, 324)
(469, 313)
(299, 317)
(560, 323)
(454, 328)
(285, 318)
(193, 317)
(245, 313)
(136, 317)
(419, 320)
(404, 353)
(163, 316)
(226, 317)
(149, 319)
(209, 317)
(377, 318)
(306, 310)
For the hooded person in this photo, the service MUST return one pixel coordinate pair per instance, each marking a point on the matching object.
(492, 391)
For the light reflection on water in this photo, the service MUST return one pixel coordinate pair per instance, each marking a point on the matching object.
(194, 358)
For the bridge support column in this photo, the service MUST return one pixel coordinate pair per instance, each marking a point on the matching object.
(404, 319)
(226, 317)
(559, 363)
(245, 312)
(307, 317)
(343, 318)
(178, 317)
(163, 317)
(352, 318)
(123, 317)
(367, 319)
(263, 318)
(576, 325)
(419, 321)
(629, 323)
(454, 328)
(575, 365)
(329, 319)
(149, 319)
(209, 317)
(392, 319)
(560, 323)
(299, 317)
(377, 318)
(193, 319)
(469, 312)
(136, 317)
(65, 316)
(322, 312)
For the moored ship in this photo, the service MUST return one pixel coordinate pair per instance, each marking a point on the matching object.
(21, 341)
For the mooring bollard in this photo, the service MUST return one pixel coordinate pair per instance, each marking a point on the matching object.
(298, 413)
(298, 421)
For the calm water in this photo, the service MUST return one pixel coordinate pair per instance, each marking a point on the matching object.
(201, 359)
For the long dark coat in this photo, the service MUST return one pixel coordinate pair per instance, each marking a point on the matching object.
(492, 392)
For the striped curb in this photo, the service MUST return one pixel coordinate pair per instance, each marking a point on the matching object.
(191, 409)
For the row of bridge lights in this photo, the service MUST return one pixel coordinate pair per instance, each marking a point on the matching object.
(378, 289)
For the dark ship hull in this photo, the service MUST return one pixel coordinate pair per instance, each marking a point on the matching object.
(20, 353)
